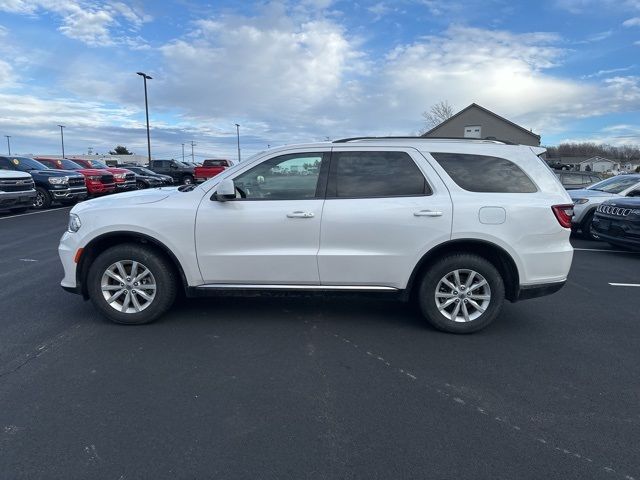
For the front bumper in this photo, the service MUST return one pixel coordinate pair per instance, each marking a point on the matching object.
(125, 186)
(101, 188)
(618, 231)
(17, 199)
(67, 252)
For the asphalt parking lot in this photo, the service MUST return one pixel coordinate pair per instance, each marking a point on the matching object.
(308, 387)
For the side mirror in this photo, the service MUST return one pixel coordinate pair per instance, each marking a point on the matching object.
(173, 165)
(226, 190)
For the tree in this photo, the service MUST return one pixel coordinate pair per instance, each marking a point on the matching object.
(120, 150)
(437, 113)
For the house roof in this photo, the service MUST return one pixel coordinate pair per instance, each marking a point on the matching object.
(598, 158)
(486, 111)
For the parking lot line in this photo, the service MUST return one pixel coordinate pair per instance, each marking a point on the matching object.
(624, 284)
(34, 213)
(601, 250)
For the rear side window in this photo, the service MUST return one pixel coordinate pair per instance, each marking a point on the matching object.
(375, 174)
(482, 173)
(572, 179)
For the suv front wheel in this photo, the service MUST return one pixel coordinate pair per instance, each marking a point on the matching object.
(461, 293)
(131, 284)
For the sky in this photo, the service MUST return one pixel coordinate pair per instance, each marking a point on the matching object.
(292, 72)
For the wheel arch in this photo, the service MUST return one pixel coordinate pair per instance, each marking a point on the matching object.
(102, 242)
(495, 254)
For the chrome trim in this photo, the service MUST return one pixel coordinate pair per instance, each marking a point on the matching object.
(613, 210)
(242, 286)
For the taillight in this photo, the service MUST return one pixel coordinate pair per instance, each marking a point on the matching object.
(563, 213)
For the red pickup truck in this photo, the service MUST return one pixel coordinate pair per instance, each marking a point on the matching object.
(211, 168)
(98, 182)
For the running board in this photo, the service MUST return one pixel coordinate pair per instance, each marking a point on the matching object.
(242, 286)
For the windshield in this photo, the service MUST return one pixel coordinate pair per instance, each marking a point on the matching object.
(146, 171)
(69, 165)
(97, 164)
(614, 184)
(25, 164)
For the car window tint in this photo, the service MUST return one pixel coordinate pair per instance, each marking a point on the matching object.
(482, 173)
(572, 179)
(375, 174)
(5, 164)
(287, 177)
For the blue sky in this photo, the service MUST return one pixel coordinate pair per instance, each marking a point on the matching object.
(305, 71)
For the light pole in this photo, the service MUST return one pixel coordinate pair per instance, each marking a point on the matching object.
(183, 152)
(146, 107)
(62, 138)
(238, 137)
(8, 143)
(192, 145)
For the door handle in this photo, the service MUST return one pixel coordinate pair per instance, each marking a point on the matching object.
(427, 213)
(299, 214)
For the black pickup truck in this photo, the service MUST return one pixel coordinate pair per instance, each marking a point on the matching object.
(64, 186)
(181, 173)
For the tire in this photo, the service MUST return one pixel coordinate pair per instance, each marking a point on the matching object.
(587, 229)
(19, 210)
(187, 180)
(161, 275)
(477, 318)
(43, 199)
(140, 185)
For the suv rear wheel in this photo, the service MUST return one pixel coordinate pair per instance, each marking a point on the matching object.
(131, 284)
(461, 293)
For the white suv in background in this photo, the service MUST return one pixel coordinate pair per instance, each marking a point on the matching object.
(456, 225)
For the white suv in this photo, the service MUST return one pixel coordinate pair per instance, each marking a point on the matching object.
(457, 225)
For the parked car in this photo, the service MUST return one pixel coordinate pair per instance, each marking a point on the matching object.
(576, 180)
(618, 222)
(587, 200)
(123, 178)
(143, 174)
(211, 168)
(457, 225)
(17, 190)
(64, 186)
(98, 182)
(181, 173)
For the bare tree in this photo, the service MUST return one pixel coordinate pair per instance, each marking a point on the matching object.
(437, 113)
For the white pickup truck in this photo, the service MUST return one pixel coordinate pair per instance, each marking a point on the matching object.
(17, 191)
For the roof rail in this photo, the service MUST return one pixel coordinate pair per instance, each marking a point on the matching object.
(486, 139)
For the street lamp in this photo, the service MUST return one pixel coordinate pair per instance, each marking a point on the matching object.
(8, 143)
(183, 153)
(238, 137)
(146, 107)
(62, 138)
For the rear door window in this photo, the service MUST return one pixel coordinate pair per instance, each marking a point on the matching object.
(483, 173)
(374, 175)
(572, 179)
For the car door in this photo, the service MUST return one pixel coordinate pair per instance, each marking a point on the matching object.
(270, 233)
(383, 211)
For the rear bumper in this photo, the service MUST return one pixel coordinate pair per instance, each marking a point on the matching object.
(525, 292)
(17, 199)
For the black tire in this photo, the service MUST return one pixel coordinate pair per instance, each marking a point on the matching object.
(140, 185)
(165, 280)
(187, 180)
(19, 210)
(586, 226)
(443, 267)
(43, 199)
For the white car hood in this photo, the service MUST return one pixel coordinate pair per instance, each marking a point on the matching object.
(136, 197)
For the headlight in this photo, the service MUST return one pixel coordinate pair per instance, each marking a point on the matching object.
(58, 180)
(74, 223)
(580, 201)
(120, 176)
(93, 177)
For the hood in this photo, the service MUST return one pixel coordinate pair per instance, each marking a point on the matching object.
(135, 197)
(115, 170)
(92, 171)
(584, 193)
(624, 202)
(57, 173)
(14, 174)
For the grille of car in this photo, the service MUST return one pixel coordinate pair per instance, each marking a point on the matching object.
(16, 184)
(615, 211)
(76, 181)
(106, 178)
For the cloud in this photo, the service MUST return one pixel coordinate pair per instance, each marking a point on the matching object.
(632, 22)
(601, 73)
(88, 22)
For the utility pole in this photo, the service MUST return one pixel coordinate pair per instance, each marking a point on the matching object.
(238, 137)
(146, 107)
(62, 138)
(8, 143)
(90, 151)
(183, 152)
(192, 145)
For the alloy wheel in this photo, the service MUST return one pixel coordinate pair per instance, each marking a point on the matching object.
(462, 295)
(39, 200)
(128, 286)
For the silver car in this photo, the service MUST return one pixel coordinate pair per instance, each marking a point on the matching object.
(586, 200)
